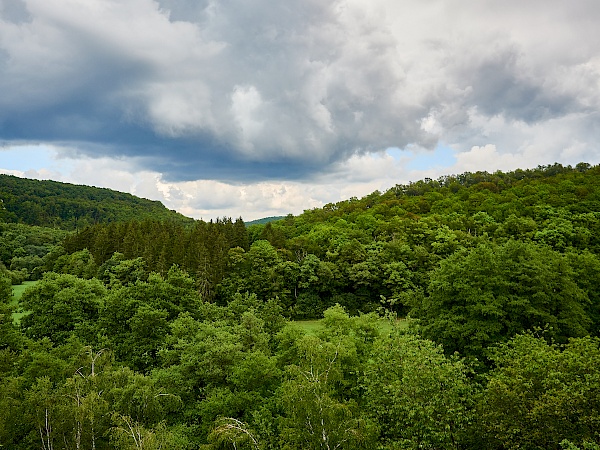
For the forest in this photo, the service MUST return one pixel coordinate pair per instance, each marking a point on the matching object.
(457, 313)
(67, 206)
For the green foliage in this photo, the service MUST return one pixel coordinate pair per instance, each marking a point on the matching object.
(5, 289)
(80, 264)
(318, 396)
(586, 268)
(67, 206)
(567, 445)
(257, 271)
(134, 319)
(540, 394)
(316, 416)
(420, 398)
(229, 429)
(166, 333)
(488, 294)
(128, 250)
(128, 434)
(118, 271)
(61, 304)
(10, 338)
(83, 404)
(24, 250)
(264, 220)
(220, 366)
(362, 252)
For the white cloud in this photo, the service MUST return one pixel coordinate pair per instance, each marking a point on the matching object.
(16, 173)
(277, 107)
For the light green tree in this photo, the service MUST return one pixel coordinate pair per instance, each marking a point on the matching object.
(540, 394)
(419, 397)
(318, 414)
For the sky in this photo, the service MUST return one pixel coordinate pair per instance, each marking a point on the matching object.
(256, 108)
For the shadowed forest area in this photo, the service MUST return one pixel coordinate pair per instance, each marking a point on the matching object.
(143, 329)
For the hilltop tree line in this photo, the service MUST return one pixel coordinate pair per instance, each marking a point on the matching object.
(60, 205)
(159, 334)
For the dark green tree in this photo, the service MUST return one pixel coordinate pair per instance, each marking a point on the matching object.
(134, 319)
(482, 296)
(61, 304)
(10, 337)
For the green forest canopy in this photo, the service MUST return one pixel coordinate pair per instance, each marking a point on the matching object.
(68, 206)
(161, 333)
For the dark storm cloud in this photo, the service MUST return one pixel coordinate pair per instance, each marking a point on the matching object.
(501, 85)
(237, 90)
(251, 89)
(14, 11)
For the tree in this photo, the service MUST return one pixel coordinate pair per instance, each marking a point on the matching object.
(81, 264)
(315, 416)
(60, 305)
(540, 394)
(135, 318)
(44, 404)
(419, 397)
(118, 271)
(5, 289)
(128, 434)
(586, 266)
(10, 337)
(254, 271)
(229, 429)
(319, 395)
(221, 366)
(482, 296)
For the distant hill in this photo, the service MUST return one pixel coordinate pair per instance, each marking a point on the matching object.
(68, 206)
(264, 220)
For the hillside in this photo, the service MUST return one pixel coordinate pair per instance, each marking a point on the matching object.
(264, 220)
(383, 246)
(520, 193)
(68, 206)
(156, 332)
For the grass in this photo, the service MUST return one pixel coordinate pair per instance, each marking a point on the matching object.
(313, 326)
(19, 289)
(17, 293)
(309, 326)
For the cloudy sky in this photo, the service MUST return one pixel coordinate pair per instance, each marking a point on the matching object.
(259, 108)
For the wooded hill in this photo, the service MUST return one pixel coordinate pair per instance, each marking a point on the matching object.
(69, 206)
(157, 334)
(264, 220)
(382, 247)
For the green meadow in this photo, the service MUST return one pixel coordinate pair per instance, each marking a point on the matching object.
(18, 291)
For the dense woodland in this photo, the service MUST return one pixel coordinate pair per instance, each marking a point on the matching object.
(67, 206)
(457, 313)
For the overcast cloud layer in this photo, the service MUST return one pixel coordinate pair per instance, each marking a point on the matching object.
(291, 104)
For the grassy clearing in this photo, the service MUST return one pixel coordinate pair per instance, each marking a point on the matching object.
(313, 326)
(19, 289)
(309, 326)
(17, 293)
